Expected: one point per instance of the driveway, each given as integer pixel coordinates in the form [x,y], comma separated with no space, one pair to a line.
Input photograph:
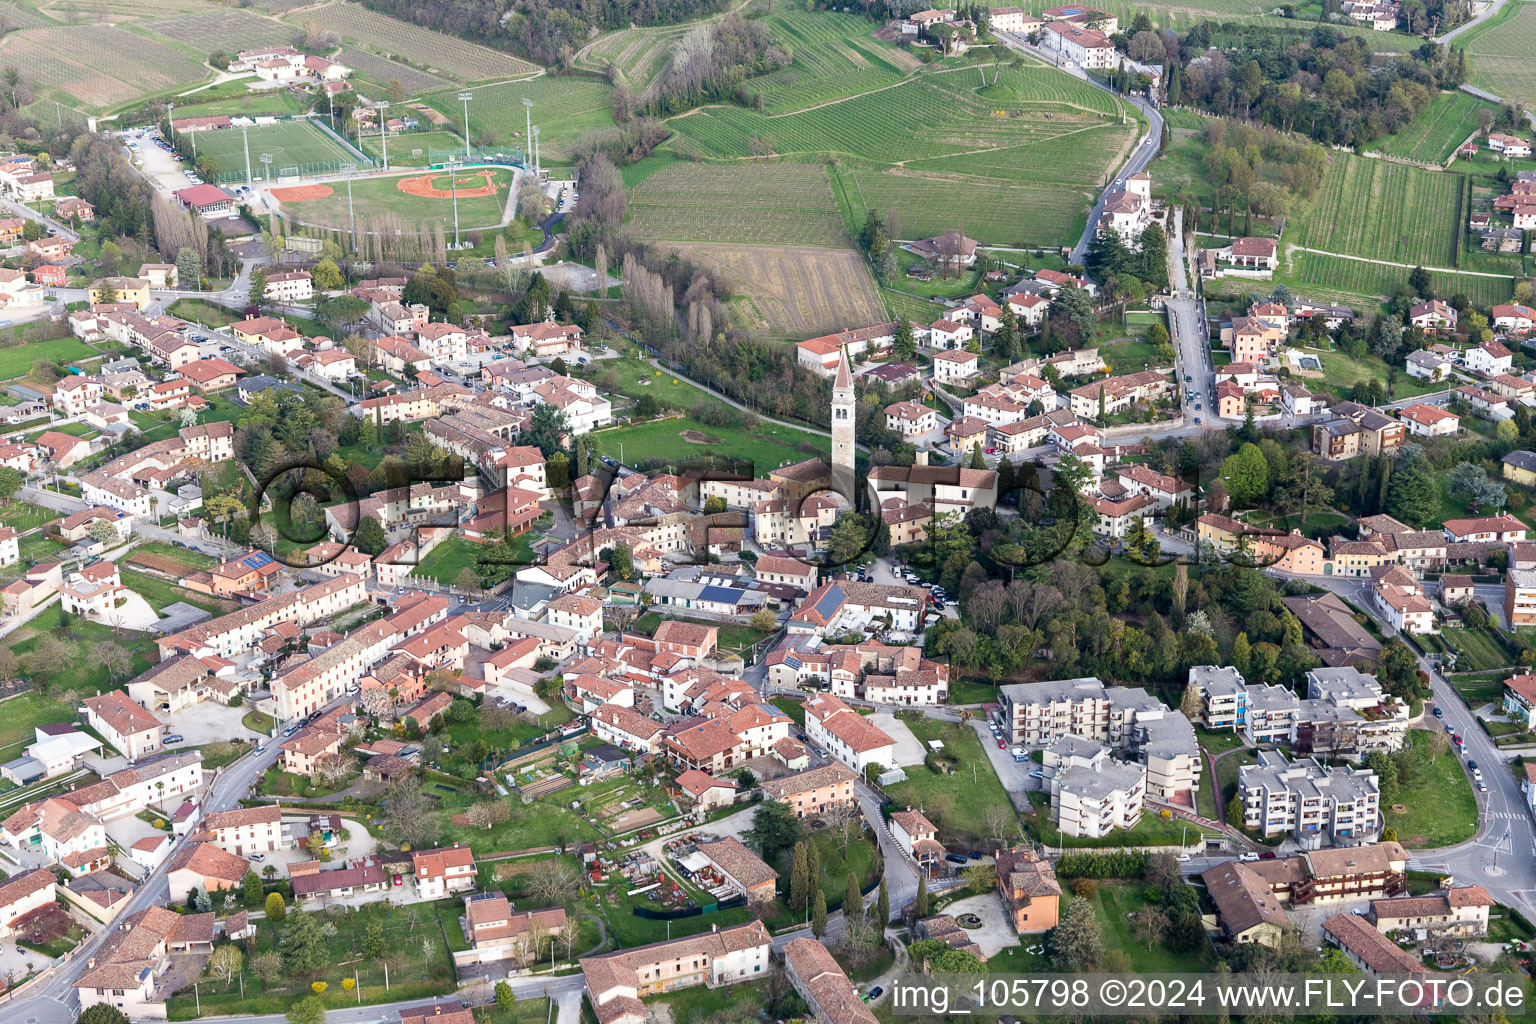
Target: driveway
[178,616]
[909,750]
[1014,775]
[208,722]
[129,830]
[996,932]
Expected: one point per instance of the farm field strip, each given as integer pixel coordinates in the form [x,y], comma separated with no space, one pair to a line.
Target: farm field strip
[99,65]
[18,16]
[442,54]
[1500,55]
[1434,135]
[921,119]
[229,31]
[382,69]
[798,291]
[1323,278]
[1001,214]
[833,58]
[790,204]
[1383,210]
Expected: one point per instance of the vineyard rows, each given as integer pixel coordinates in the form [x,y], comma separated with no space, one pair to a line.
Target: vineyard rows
[1501,56]
[382,69]
[782,204]
[99,65]
[639,53]
[1383,210]
[833,58]
[227,31]
[443,54]
[999,214]
[922,119]
[1434,135]
[17,16]
[1328,278]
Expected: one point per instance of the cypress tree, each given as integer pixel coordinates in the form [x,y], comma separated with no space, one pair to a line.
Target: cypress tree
[797,879]
[812,865]
[853,903]
[819,914]
[920,904]
[882,907]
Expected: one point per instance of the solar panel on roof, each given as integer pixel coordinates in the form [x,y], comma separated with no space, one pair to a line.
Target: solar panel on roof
[257,559]
[830,602]
[724,595]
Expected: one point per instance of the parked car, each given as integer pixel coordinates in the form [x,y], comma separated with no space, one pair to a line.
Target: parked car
[1002,744]
[1472,765]
[1249,857]
[258,857]
[174,738]
[1439,713]
[954,858]
[876,992]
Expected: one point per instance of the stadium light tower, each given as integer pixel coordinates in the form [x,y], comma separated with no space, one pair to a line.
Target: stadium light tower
[266,160]
[383,106]
[535,133]
[245,137]
[528,129]
[464,98]
[453,184]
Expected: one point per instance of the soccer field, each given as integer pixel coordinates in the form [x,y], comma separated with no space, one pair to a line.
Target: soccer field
[296,147]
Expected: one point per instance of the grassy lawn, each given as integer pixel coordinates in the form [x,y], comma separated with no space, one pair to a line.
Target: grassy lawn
[72,429]
[1117,904]
[971,691]
[451,557]
[85,677]
[957,804]
[414,946]
[734,636]
[59,946]
[1219,742]
[379,195]
[1340,372]
[159,593]
[766,448]
[623,376]
[18,361]
[258,721]
[1227,772]
[793,708]
[21,517]
[1439,806]
[631,930]
[209,314]
[280,783]
[536,824]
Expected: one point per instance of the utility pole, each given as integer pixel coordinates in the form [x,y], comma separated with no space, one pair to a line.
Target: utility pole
[351,214]
[384,131]
[464,98]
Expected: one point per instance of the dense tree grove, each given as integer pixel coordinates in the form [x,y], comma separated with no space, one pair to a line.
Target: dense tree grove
[1326,84]
[547,31]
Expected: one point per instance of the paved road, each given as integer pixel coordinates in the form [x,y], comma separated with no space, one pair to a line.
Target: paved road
[1186,324]
[1465,26]
[1141,156]
[53,1000]
[1502,855]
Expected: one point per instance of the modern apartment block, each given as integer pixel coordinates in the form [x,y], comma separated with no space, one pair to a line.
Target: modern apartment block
[1318,806]
[1345,711]
[1092,794]
[1223,697]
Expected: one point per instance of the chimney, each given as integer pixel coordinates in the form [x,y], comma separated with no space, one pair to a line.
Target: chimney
[922,458]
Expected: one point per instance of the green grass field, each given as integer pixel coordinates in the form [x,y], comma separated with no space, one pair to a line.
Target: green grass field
[17,361]
[958,803]
[789,204]
[444,562]
[1434,135]
[251,104]
[1476,651]
[290,144]
[1384,211]
[1334,279]
[372,196]
[1118,905]
[415,149]
[563,108]
[767,447]
[1439,807]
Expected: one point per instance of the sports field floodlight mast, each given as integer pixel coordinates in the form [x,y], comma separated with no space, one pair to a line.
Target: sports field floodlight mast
[464,98]
[535,133]
[245,138]
[382,106]
[266,159]
[528,128]
[453,185]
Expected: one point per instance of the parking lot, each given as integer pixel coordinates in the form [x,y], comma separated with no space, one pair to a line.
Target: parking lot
[207,722]
[1014,775]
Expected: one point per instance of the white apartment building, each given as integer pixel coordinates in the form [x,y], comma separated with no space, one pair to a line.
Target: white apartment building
[1317,806]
